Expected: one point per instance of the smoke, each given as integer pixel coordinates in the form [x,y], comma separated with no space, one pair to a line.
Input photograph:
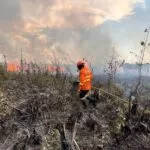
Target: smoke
[9,14]
[65,30]
[73,13]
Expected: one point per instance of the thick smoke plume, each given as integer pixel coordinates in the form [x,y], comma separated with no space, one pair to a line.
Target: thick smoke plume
[52,29]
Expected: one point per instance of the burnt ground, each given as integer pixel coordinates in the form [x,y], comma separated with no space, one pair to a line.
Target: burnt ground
[31,108]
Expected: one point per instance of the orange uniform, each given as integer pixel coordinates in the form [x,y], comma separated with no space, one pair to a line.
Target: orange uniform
[85,77]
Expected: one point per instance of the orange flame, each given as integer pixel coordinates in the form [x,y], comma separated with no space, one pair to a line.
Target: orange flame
[12,67]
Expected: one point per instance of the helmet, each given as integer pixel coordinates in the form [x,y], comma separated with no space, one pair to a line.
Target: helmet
[81,62]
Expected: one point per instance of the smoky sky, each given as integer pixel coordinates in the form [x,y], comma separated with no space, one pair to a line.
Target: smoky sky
[54,29]
[89,43]
[10,13]
[9,10]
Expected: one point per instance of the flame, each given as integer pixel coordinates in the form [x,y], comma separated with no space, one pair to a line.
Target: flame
[12,67]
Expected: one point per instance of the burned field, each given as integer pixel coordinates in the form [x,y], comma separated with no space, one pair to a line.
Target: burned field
[43,112]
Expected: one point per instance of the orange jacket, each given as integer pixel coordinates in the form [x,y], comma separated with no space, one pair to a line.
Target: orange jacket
[85,77]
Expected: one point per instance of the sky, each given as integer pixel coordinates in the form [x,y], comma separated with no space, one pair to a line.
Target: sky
[67,31]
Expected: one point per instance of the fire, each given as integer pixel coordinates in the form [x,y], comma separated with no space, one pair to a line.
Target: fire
[12,67]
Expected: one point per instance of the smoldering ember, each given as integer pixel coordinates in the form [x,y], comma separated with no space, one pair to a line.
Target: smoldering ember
[74,75]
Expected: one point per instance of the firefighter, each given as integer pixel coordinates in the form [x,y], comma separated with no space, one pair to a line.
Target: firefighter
[85,80]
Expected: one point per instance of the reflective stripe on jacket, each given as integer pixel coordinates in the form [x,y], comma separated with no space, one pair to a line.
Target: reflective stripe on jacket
[85,77]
